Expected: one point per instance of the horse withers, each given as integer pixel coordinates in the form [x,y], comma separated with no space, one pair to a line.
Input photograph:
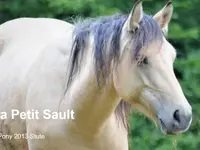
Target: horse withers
[47,64]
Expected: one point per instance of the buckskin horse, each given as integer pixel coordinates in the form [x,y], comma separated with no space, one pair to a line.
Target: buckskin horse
[89,68]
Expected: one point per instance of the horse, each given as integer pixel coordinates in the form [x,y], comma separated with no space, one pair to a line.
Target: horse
[98,68]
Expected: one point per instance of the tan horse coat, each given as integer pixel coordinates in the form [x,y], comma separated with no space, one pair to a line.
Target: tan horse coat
[31,51]
[34,62]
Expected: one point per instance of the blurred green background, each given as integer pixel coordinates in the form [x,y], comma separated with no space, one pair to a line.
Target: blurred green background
[184,34]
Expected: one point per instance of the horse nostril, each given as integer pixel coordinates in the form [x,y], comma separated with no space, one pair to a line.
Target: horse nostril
[177,116]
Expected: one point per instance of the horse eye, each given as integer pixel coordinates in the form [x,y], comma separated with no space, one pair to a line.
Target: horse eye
[145,61]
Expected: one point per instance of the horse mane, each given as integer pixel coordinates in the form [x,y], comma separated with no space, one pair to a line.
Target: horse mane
[106,33]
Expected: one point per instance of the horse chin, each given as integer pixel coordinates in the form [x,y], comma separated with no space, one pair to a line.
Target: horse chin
[163,129]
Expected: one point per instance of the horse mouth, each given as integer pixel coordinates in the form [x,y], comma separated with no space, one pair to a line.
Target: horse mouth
[164,130]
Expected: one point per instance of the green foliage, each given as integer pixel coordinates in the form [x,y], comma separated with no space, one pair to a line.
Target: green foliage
[184,34]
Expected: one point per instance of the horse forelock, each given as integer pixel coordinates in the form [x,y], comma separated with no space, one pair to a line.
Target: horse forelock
[106,33]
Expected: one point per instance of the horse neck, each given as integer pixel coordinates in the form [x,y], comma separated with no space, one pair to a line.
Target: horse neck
[91,105]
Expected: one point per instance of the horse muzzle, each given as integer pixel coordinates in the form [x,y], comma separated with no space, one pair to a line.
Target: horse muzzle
[179,122]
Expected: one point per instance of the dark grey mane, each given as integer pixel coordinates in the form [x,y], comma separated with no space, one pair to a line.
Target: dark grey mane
[106,33]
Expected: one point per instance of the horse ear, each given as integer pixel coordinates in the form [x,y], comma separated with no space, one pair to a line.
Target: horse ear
[164,16]
[135,17]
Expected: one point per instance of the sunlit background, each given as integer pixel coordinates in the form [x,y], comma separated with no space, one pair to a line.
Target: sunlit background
[184,34]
